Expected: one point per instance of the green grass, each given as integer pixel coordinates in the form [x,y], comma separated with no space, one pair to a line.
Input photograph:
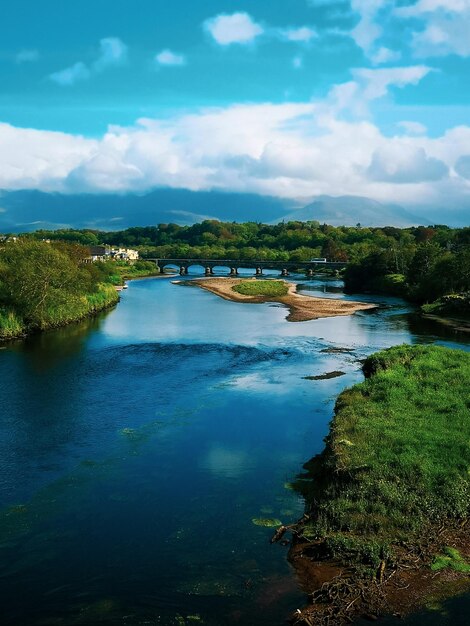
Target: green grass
[269,288]
[64,311]
[76,307]
[452,559]
[398,452]
[10,324]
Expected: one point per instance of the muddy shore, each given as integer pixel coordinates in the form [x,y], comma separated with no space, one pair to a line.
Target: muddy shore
[301,308]
[337,595]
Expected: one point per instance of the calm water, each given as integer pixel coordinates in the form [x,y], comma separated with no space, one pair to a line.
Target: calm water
[137,448]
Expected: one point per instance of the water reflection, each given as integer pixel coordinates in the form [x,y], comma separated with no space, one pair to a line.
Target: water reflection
[48,349]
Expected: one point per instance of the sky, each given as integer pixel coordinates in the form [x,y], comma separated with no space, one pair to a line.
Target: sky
[289,98]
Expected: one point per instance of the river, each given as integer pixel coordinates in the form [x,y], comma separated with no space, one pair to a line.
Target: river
[136,448]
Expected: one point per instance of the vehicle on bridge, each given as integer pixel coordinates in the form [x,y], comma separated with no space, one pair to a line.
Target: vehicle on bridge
[318,260]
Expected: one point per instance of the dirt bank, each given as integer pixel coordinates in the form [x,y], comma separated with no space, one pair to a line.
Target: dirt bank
[338,595]
[301,307]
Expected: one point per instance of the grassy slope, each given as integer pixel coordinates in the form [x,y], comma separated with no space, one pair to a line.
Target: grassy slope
[270,288]
[397,456]
[76,308]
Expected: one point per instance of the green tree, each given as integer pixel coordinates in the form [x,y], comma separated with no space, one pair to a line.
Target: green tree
[36,276]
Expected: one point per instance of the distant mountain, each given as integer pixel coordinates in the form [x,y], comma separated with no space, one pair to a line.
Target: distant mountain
[351,210]
[23,211]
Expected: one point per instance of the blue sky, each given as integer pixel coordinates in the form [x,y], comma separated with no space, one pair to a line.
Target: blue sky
[293,98]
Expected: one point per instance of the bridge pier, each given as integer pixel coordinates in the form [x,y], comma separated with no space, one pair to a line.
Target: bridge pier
[233,271]
[209,271]
[309,273]
[259,271]
[183,270]
[284,272]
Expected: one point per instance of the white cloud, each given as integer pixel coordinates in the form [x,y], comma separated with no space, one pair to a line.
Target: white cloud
[373,15]
[430,6]
[71,75]
[368,85]
[290,150]
[444,29]
[112,52]
[398,162]
[36,159]
[297,62]
[377,81]
[304,34]
[367,31]
[443,35]
[236,28]
[462,166]
[167,57]
[413,128]
[384,55]
[27,56]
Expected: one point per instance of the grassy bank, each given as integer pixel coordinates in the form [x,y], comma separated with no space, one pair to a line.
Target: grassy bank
[77,307]
[457,305]
[394,475]
[267,288]
[49,284]
[119,271]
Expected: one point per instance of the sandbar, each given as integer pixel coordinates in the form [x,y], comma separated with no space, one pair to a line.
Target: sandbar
[301,307]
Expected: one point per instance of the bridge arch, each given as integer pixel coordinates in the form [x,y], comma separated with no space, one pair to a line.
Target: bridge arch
[234,267]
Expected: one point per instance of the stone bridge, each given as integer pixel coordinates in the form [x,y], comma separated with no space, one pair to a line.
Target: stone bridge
[232,265]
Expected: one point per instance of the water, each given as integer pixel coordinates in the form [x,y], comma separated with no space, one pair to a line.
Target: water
[136,449]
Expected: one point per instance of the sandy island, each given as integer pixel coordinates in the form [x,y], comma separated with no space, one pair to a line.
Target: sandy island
[301,307]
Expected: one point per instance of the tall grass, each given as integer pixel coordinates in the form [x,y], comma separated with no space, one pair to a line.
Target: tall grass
[10,324]
[75,307]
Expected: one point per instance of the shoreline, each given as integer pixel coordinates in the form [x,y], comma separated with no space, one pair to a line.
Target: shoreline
[386,535]
[94,310]
[338,595]
[301,308]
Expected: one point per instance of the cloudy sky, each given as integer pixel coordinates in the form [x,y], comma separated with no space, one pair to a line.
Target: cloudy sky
[292,98]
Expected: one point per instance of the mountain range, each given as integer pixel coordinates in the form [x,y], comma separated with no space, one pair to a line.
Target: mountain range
[28,210]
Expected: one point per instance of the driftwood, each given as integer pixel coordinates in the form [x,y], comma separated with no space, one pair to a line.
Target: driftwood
[293,528]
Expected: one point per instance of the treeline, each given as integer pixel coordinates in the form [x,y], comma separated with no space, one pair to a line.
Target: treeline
[43,285]
[290,241]
[426,272]
[422,263]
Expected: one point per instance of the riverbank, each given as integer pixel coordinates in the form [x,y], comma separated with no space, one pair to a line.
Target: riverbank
[13,326]
[385,530]
[301,308]
[121,271]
